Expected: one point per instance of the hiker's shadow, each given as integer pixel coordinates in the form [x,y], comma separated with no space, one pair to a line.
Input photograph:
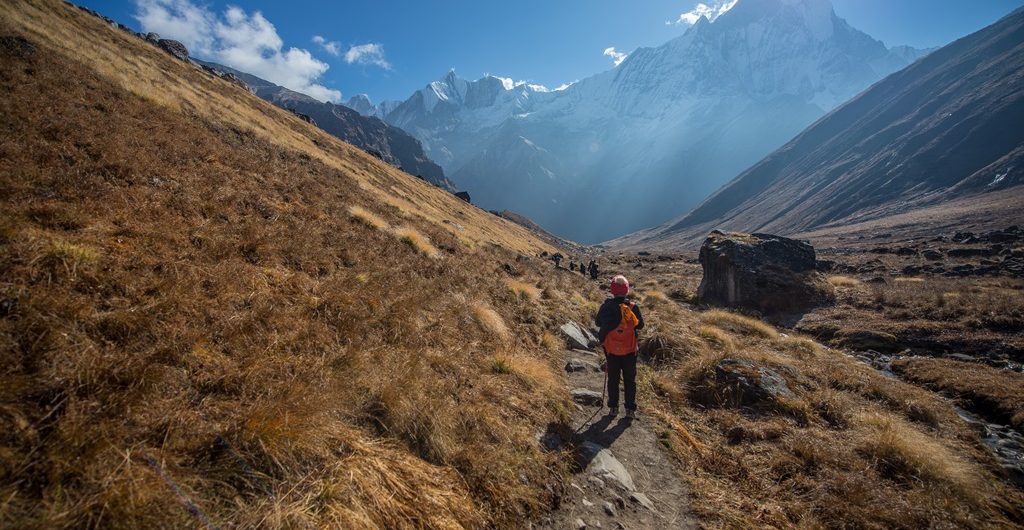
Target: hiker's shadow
[603,433]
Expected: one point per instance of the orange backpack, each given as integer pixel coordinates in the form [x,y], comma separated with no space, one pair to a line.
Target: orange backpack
[622,339]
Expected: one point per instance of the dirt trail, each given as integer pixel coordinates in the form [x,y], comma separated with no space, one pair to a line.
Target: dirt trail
[599,494]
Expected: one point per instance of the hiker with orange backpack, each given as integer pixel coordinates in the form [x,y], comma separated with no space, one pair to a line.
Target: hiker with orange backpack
[619,320]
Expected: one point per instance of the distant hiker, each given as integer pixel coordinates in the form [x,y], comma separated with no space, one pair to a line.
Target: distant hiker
[572,266]
[619,320]
[557,258]
[593,270]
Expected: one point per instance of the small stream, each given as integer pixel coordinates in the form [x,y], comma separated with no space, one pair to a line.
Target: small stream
[1005,442]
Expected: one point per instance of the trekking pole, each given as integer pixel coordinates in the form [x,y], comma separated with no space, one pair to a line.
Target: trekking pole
[604,396]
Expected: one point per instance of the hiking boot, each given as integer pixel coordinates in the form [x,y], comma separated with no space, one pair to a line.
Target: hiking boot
[613,411]
[631,414]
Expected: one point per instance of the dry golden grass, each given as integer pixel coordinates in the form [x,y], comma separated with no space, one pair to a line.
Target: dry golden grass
[524,290]
[417,241]
[150,74]
[716,338]
[490,320]
[850,448]
[995,392]
[900,451]
[739,324]
[551,342]
[368,218]
[844,281]
[191,304]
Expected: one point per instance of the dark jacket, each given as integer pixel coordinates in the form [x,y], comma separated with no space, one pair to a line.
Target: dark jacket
[609,316]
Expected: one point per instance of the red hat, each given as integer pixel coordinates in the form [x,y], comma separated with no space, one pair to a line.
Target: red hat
[619,286]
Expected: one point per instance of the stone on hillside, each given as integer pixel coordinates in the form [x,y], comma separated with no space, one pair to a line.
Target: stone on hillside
[577,365]
[600,462]
[767,273]
[153,37]
[932,254]
[174,48]
[579,337]
[743,383]
[642,499]
[588,397]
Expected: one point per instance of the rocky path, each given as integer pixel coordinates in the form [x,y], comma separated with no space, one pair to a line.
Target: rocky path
[625,479]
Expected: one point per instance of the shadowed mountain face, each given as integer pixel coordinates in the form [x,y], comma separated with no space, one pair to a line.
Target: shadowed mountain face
[394,145]
[652,137]
[947,127]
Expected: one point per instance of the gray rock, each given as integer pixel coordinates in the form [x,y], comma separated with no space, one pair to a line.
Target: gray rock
[602,463]
[153,37]
[173,47]
[642,500]
[762,272]
[609,509]
[743,383]
[577,365]
[585,396]
[579,524]
[578,336]
[932,254]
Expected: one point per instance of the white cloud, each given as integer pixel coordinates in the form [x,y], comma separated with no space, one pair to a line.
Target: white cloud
[331,47]
[371,53]
[617,57]
[712,12]
[249,43]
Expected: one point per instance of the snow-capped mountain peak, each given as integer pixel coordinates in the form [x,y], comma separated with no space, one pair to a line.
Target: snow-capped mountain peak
[660,131]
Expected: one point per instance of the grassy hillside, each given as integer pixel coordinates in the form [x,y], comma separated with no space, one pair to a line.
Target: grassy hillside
[213,311]
[845,447]
[215,315]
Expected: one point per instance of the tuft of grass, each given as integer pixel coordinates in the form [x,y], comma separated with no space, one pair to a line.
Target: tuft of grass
[68,256]
[417,241]
[716,338]
[803,347]
[501,365]
[844,281]
[905,454]
[524,290]
[490,320]
[654,297]
[739,324]
[367,218]
[551,342]
[531,373]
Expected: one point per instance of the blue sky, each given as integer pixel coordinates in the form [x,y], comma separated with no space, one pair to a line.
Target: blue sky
[389,48]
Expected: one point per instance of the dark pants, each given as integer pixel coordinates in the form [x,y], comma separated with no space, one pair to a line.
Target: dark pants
[626,366]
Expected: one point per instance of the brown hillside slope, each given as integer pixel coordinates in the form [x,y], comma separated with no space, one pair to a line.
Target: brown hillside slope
[210,311]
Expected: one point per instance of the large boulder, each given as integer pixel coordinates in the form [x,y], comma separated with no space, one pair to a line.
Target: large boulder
[761,272]
[174,48]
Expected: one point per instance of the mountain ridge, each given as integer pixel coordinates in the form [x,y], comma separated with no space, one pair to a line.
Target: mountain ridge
[655,134]
[884,151]
[390,143]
